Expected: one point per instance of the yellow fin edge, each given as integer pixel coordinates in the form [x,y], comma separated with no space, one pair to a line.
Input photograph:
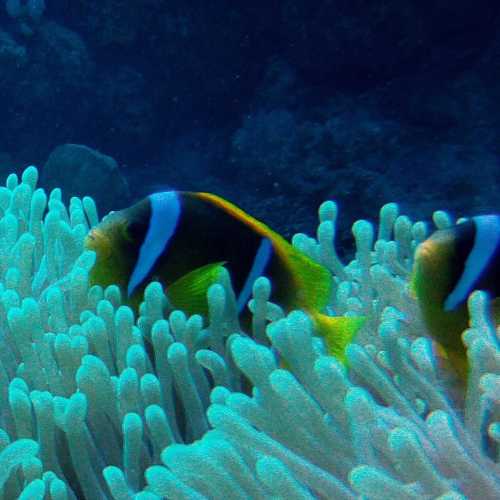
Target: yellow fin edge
[337,332]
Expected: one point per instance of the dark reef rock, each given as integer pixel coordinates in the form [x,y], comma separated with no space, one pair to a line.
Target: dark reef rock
[80,171]
[44,91]
[111,22]
[358,43]
[12,54]
[275,105]
[124,115]
[64,55]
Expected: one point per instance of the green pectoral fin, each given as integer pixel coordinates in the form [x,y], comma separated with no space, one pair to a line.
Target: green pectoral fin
[189,293]
[338,332]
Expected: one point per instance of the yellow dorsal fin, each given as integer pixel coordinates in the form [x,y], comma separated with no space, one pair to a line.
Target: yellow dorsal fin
[189,292]
[236,212]
[312,281]
[338,332]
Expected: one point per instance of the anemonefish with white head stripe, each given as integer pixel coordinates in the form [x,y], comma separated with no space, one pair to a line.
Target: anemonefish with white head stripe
[450,265]
[183,238]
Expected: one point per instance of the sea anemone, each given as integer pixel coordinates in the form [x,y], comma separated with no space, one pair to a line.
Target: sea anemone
[96,403]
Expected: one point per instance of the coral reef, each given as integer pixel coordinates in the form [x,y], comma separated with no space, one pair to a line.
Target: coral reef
[98,404]
[192,95]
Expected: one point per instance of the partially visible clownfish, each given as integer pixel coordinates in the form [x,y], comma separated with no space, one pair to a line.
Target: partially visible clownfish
[182,239]
[450,265]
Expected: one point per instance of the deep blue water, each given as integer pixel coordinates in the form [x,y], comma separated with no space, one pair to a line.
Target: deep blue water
[276,105]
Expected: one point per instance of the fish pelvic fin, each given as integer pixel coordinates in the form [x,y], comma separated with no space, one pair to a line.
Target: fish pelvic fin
[337,332]
[189,292]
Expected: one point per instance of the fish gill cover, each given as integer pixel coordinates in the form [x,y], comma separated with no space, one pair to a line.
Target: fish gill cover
[98,403]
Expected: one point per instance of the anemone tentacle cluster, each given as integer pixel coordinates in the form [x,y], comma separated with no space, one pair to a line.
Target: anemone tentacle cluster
[96,403]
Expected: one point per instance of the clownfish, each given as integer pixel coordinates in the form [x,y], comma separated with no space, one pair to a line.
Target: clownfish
[450,265]
[182,239]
